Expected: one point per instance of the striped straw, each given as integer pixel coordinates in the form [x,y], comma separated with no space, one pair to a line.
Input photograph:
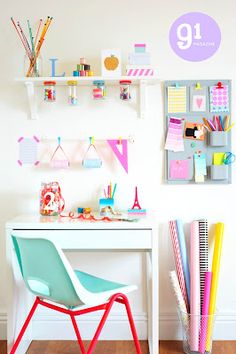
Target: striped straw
[178,261]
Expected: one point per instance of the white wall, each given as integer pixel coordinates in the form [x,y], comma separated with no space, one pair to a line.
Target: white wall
[82,29]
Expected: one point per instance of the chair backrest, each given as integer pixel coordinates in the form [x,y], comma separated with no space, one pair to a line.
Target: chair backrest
[46,271]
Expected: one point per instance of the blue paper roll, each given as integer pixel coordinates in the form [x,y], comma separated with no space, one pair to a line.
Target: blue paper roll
[184,256]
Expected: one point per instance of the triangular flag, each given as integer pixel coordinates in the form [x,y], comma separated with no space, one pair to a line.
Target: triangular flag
[122,157]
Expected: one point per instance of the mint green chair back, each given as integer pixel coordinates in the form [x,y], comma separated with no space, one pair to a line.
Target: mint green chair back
[45,271]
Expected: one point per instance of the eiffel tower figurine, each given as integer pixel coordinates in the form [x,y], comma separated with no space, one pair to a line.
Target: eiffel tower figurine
[136,208]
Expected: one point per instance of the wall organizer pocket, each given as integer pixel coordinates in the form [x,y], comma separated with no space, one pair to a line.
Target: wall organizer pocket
[218,138]
[219,172]
[198,131]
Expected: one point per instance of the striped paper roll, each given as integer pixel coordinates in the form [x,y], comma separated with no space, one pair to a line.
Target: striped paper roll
[179,298]
[203,255]
[184,255]
[205,310]
[194,286]
[178,261]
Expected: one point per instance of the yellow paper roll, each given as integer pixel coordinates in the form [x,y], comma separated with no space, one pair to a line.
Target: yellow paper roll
[215,280]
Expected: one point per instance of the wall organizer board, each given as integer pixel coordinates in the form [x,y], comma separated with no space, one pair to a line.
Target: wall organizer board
[198,131]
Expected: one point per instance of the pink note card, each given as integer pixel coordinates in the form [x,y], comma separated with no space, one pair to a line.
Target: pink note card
[179,169]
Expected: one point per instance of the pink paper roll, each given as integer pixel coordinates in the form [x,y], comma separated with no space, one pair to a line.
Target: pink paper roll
[194,286]
[205,309]
[178,261]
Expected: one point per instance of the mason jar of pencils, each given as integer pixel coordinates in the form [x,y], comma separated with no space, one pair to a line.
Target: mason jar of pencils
[49,91]
[37,66]
[72,93]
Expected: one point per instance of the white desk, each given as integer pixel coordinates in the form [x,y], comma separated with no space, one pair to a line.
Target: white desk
[71,234]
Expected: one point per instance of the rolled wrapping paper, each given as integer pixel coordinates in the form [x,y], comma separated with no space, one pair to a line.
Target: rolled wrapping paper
[184,256]
[204,251]
[179,298]
[215,280]
[178,261]
[194,287]
[205,310]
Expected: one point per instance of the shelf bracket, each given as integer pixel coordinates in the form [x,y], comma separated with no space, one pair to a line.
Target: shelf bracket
[142,99]
[32,99]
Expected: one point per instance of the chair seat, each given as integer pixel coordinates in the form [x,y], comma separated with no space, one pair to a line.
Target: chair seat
[103,288]
[95,284]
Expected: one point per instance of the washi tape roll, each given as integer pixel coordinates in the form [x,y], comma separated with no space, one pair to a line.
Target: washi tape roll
[80,67]
[82,60]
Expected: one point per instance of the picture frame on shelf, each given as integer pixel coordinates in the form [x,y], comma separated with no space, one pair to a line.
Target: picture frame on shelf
[111,62]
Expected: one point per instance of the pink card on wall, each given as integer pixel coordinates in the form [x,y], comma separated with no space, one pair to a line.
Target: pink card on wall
[179,169]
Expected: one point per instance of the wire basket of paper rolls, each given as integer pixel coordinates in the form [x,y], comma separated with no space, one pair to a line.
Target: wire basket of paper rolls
[195,287]
[197,332]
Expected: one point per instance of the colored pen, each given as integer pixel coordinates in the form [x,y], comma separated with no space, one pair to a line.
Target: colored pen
[110,190]
[230,127]
[211,124]
[114,190]
[207,124]
[221,123]
[226,123]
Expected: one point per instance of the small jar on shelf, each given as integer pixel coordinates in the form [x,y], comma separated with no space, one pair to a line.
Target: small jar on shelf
[49,91]
[99,91]
[125,90]
[72,93]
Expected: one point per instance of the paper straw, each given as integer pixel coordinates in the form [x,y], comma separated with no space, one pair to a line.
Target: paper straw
[205,309]
[184,256]
[178,261]
[215,279]
[179,298]
[195,286]
[204,252]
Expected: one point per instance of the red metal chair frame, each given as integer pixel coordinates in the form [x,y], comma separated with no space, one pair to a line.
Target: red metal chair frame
[119,297]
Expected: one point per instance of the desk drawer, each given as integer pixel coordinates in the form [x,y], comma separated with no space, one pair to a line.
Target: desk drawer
[94,239]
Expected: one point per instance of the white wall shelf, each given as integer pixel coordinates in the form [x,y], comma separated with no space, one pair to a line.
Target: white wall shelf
[141,82]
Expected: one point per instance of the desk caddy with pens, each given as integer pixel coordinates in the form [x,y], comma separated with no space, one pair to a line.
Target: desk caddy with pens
[198,131]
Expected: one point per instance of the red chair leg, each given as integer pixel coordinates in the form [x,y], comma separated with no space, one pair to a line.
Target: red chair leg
[25,325]
[78,334]
[101,325]
[132,325]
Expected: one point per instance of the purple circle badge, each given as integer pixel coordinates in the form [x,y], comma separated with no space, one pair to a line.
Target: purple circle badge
[195,36]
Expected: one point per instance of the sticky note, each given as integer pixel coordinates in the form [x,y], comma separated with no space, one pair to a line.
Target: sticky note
[200,167]
[179,169]
[218,158]
[200,164]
